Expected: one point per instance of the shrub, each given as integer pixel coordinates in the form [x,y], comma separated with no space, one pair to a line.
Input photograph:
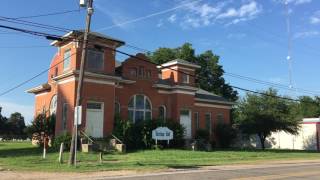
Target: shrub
[202,137]
[226,133]
[64,138]
[139,135]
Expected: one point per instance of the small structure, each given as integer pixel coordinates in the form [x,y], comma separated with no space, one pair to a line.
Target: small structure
[307,139]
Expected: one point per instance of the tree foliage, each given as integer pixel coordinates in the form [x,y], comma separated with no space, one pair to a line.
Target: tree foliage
[309,107]
[210,73]
[262,115]
[42,126]
[12,127]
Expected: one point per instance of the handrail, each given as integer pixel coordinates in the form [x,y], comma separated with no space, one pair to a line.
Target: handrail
[83,133]
[116,138]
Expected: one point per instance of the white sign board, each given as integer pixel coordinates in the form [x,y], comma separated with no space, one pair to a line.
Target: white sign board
[77,115]
[162,133]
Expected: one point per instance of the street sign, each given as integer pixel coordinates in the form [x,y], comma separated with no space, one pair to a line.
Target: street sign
[77,115]
[162,133]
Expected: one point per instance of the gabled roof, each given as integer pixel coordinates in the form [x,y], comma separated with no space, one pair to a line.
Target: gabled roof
[79,33]
[179,62]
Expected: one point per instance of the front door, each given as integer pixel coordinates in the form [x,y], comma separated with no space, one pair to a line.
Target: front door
[185,121]
[94,119]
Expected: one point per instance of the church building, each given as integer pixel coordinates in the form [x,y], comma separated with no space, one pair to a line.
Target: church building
[136,89]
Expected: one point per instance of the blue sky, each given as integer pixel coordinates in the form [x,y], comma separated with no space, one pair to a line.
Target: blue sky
[250,36]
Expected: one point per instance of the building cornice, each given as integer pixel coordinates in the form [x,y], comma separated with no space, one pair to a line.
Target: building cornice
[104,77]
[176,62]
[41,88]
[175,87]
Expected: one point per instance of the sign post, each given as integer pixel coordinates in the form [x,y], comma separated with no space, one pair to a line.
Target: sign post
[77,121]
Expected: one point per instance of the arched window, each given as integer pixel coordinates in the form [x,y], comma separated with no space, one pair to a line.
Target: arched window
[162,113]
[139,108]
[53,105]
[117,108]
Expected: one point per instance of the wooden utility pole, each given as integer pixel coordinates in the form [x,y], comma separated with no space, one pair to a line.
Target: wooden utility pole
[73,148]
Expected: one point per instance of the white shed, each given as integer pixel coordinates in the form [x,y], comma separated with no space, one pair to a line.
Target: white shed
[307,139]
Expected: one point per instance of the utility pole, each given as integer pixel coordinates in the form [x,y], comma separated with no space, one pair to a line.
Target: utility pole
[73,147]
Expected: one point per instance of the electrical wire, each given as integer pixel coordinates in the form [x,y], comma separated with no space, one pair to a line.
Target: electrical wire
[135,57]
[33,24]
[48,14]
[34,77]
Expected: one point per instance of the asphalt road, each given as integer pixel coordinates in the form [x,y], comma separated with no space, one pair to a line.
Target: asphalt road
[305,171]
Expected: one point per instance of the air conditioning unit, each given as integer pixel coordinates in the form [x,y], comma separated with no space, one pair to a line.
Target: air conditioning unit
[83,3]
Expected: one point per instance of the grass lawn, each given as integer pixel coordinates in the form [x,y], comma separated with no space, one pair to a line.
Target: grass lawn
[24,156]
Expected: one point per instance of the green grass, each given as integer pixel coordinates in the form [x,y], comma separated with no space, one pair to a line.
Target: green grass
[24,156]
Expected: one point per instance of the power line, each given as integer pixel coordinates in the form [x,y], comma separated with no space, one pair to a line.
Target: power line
[23,47]
[36,33]
[48,14]
[132,56]
[282,86]
[236,87]
[33,24]
[34,77]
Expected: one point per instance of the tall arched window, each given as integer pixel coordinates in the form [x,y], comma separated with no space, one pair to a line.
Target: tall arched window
[139,108]
[162,113]
[53,105]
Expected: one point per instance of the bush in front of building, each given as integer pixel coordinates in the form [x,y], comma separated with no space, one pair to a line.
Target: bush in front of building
[139,135]
[64,138]
[226,133]
[202,137]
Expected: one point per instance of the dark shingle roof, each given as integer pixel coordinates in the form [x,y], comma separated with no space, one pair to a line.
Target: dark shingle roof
[205,95]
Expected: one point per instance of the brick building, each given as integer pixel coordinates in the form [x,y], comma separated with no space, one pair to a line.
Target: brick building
[136,89]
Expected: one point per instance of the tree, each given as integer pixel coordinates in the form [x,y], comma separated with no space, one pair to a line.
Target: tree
[210,74]
[309,107]
[42,126]
[17,124]
[263,114]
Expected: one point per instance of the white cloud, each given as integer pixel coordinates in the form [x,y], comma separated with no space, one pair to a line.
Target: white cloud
[246,10]
[315,18]
[205,14]
[295,2]
[117,16]
[11,107]
[172,18]
[236,36]
[160,23]
[306,34]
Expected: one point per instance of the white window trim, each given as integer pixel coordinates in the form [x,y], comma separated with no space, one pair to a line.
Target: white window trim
[134,109]
[188,78]
[64,60]
[53,111]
